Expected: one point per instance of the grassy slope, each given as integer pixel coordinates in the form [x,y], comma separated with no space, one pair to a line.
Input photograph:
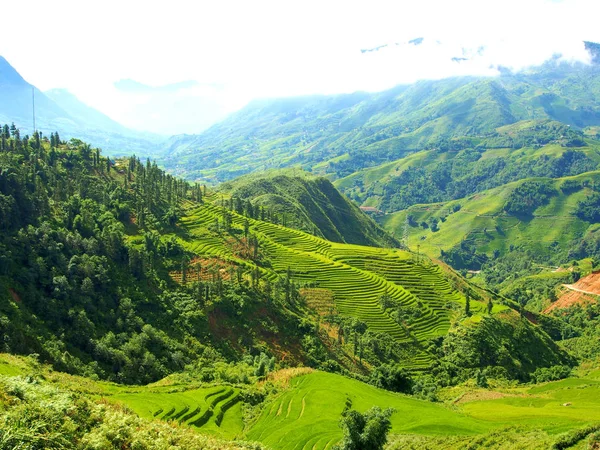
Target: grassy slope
[311,204]
[305,415]
[482,220]
[357,275]
[371,129]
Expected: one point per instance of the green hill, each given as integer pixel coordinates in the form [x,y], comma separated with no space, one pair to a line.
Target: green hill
[552,231]
[461,167]
[95,283]
[308,203]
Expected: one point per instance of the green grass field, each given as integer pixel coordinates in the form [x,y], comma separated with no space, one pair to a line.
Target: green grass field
[306,415]
[305,412]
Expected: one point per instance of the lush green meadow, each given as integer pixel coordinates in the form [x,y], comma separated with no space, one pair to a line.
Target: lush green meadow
[303,412]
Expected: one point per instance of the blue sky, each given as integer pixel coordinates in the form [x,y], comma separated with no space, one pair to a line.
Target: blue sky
[228,52]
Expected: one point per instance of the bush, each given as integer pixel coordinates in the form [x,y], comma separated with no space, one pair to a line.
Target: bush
[392,377]
[553,373]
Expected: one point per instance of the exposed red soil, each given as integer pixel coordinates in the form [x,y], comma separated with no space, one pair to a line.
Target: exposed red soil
[591,283]
[14,295]
[573,295]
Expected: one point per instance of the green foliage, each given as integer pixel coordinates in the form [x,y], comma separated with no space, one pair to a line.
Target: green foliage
[38,415]
[299,200]
[529,196]
[589,208]
[392,377]
[510,349]
[365,431]
[553,373]
[573,437]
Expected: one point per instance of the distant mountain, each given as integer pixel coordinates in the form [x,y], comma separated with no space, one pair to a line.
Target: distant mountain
[84,113]
[59,110]
[338,135]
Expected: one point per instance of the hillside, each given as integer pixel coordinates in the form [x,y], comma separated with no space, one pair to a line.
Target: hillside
[465,166]
[552,229]
[172,305]
[337,135]
[60,111]
[133,251]
[310,204]
[293,409]
[584,291]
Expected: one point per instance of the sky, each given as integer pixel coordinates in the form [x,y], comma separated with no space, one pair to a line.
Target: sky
[178,66]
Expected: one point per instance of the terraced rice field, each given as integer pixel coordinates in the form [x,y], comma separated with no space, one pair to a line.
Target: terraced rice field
[357,276]
[306,416]
[216,410]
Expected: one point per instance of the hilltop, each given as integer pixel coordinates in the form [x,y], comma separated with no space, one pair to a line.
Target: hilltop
[309,203]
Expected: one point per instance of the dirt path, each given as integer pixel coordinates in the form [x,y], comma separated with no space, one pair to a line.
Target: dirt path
[573,288]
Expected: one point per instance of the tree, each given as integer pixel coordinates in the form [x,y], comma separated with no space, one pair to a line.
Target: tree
[490,305]
[467,304]
[367,431]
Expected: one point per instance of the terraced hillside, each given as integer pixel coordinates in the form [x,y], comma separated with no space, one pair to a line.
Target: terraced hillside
[482,220]
[358,276]
[306,416]
[217,410]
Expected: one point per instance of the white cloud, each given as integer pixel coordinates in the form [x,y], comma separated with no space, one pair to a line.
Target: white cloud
[274,48]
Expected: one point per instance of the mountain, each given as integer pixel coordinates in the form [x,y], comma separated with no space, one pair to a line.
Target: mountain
[309,203]
[462,166]
[58,110]
[337,135]
[554,225]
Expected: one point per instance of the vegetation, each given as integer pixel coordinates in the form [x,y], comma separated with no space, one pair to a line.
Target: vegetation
[117,271]
[299,200]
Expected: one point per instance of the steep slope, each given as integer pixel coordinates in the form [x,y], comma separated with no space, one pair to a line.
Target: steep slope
[310,204]
[339,134]
[16,95]
[59,110]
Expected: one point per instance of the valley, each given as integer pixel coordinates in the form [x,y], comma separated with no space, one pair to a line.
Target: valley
[410,268]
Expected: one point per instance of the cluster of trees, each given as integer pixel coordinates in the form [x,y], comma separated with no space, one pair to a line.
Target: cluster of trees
[529,196]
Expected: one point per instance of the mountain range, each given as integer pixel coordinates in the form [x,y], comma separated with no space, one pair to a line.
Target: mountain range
[59,110]
[338,135]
